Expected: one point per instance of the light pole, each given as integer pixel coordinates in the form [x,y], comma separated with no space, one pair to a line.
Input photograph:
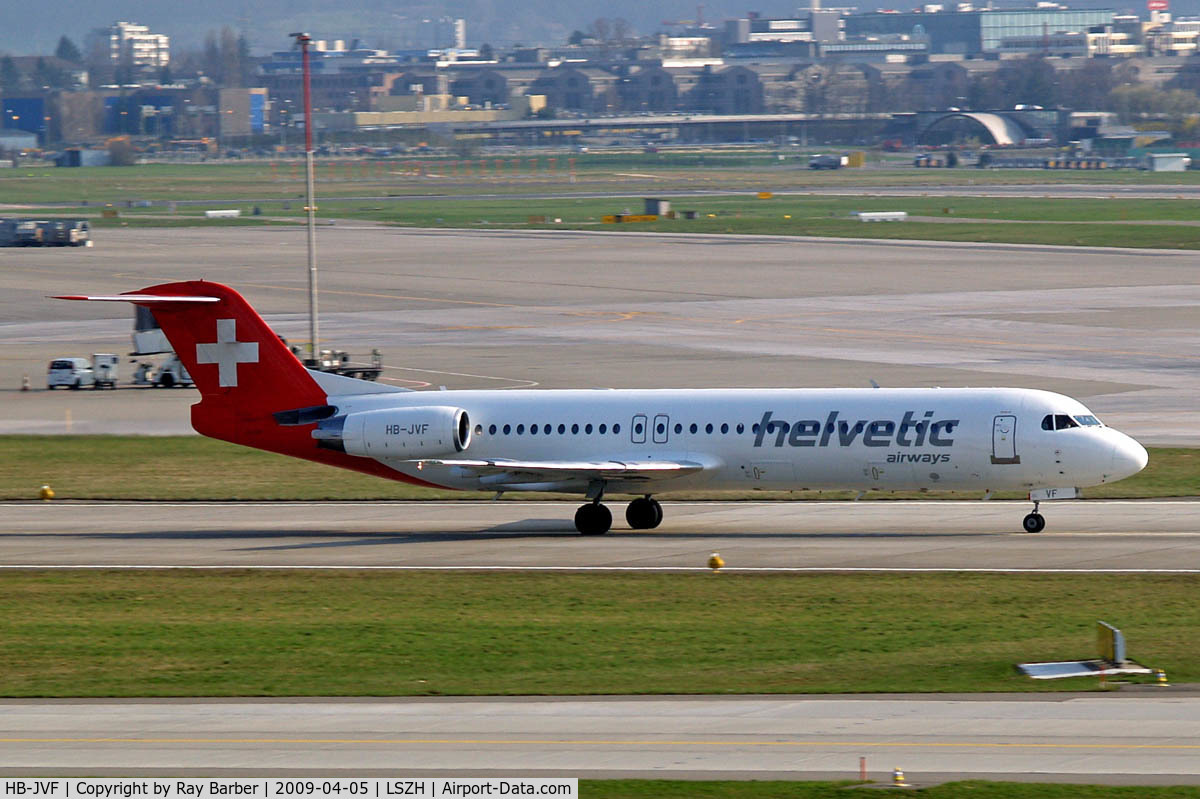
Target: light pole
[304,40]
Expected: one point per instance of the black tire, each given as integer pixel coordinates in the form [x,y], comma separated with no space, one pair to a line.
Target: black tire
[644,513]
[1034,523]
[167,381]
[75,386]
[593,519]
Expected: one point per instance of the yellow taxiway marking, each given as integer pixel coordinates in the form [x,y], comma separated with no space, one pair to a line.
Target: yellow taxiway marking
[604,742]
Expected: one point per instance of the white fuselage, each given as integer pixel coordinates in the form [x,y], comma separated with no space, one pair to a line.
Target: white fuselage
[890,439]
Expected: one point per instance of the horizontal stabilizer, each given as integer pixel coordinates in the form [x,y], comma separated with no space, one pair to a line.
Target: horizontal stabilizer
[144,298]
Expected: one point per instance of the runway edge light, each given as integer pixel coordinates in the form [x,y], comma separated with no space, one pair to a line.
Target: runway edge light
[46,493]
[715,561]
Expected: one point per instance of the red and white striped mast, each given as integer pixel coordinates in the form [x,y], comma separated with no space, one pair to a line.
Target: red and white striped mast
[304,40]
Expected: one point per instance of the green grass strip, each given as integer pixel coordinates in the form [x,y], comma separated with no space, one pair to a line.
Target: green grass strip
[351,633]
[652,173]
[195,468]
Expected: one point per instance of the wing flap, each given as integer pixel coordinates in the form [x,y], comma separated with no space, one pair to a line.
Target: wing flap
[497,471]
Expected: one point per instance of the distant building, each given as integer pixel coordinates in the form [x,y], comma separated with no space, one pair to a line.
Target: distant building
[1173,37]
[979,32]
[814,25]
[485,87]
[242,112]
[733,90]
[648,87]
[572,88]
[135,45]
[444,33]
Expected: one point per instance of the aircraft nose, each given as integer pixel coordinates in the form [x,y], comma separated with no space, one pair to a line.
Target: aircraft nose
[1128,457]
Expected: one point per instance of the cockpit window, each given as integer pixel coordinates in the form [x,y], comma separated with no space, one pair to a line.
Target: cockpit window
[1061,421]
[1087,420]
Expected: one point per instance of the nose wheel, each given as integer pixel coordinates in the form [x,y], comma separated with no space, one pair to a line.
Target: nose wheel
[644,513]
[1034,522]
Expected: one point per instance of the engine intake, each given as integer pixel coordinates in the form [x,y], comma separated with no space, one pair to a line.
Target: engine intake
[423,432]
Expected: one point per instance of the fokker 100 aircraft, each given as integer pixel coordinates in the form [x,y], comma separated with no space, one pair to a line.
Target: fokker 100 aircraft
[647,442]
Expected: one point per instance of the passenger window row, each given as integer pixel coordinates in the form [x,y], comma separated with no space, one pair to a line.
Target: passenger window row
[602,429]
[546,429]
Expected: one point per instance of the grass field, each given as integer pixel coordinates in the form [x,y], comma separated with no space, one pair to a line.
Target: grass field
[195,468]
[637,174]
[1166,223]
[237,633]
[681,789]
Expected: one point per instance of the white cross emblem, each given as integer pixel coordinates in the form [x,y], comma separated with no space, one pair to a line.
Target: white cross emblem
[227,352]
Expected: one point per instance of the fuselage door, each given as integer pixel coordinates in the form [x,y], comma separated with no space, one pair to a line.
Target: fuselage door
[662,428]
[637,430]
[1004,440]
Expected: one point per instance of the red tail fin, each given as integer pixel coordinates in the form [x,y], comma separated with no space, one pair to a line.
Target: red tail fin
[244,372]
[231,353]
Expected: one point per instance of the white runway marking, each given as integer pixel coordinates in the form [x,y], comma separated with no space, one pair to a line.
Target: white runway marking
[805,503]
[679,569]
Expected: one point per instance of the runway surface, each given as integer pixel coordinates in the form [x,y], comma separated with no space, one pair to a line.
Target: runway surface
[1081,536]
[1141,738]
[558,309]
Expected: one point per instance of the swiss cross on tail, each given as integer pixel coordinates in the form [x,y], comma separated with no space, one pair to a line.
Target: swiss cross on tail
[227,352]
[242,369]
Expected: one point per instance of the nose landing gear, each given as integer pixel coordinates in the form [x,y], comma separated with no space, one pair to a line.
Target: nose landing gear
[1034,522]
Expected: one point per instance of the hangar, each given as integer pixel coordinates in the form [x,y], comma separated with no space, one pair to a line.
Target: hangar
[1006,127]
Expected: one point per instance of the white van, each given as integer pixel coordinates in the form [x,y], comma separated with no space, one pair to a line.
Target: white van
[70,372]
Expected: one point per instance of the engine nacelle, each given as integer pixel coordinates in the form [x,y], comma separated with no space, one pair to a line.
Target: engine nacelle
[423,432]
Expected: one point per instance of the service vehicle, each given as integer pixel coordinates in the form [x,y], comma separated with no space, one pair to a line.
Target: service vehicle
[826,162]
[172,374]
[105,367]
[73,373]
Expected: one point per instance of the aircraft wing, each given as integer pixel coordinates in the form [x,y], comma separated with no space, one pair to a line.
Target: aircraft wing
[500,472]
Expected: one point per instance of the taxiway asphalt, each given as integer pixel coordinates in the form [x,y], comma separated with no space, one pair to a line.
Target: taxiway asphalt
[1144,738]
[569,309]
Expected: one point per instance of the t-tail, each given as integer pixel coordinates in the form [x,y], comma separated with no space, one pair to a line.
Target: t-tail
[253,389]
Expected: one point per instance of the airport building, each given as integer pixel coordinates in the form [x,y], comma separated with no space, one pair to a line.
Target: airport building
[135,45]
[979,32]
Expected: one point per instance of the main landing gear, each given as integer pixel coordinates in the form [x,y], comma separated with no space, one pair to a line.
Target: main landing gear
[1034,522]
[593,519]
[644,513]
